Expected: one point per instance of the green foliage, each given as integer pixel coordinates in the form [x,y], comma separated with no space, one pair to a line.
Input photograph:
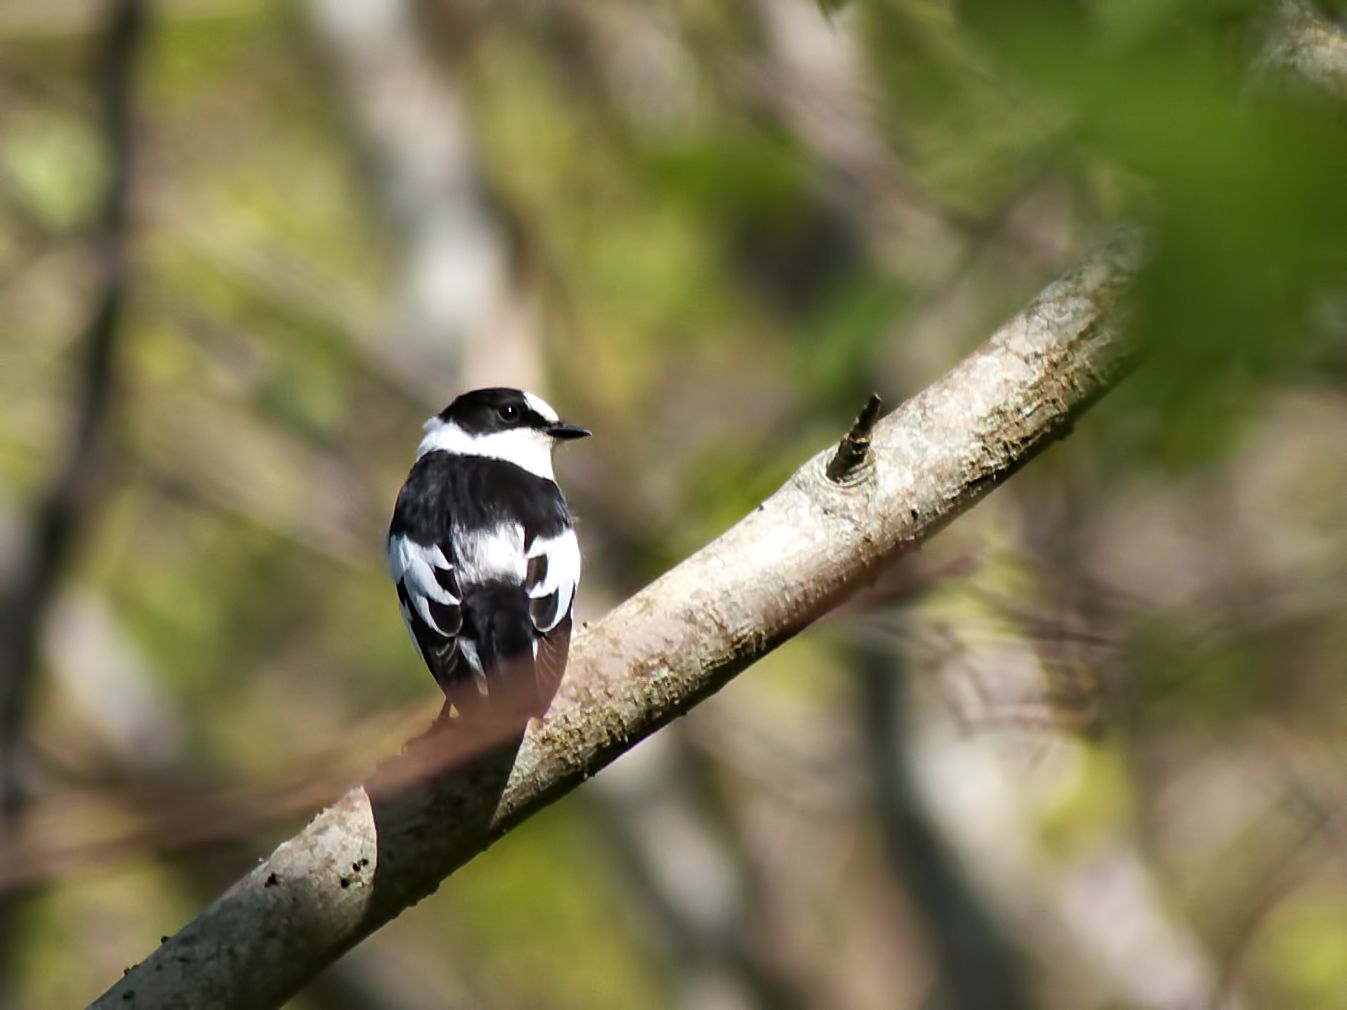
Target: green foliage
[1304,945]
[519,917]
[1243,190]
[971,135]
[53,167]
[837,346]
[1096,804]
[1188,675]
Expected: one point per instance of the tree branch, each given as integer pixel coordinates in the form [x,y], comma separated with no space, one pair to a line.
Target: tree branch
[386,845]
[960,930]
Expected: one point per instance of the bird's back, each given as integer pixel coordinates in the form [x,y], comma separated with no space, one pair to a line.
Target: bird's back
[486,565]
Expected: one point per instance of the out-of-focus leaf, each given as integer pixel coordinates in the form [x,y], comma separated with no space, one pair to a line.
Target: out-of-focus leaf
[53,167]
[1243,193]
[836,347]
[1304,945]
[969,134]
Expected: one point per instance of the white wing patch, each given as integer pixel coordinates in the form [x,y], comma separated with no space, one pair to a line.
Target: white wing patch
[560,576]
[492,555]
[414,565]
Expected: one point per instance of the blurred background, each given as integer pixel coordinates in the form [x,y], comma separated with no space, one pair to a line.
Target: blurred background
[1085,752]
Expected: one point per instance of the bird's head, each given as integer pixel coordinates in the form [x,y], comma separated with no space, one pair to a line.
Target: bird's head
[501,423]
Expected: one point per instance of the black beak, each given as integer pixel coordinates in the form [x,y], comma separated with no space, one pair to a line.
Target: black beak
[563,430]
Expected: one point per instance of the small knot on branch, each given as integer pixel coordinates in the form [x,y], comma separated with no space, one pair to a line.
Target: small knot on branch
[853,451]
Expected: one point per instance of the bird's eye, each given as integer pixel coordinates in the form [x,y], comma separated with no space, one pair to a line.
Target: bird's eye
[508,412]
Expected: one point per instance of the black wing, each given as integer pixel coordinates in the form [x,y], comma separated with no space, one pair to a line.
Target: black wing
[550,663]
[430,599]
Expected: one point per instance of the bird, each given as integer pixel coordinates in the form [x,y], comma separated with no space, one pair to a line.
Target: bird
[483,553]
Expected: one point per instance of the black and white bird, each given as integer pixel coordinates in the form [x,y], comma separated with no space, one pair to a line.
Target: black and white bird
[483,552]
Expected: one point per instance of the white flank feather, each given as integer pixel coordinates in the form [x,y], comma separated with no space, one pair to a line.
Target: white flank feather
[563,571]
[414,566]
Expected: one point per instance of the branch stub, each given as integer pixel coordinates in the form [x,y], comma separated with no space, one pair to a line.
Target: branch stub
[853,452]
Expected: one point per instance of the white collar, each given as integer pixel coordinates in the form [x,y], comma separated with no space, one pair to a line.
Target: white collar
[527,448]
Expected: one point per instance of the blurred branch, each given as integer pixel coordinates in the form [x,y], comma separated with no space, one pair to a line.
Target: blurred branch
[1306,47]
[692,880]
[979,968]
[63,507]
[795,557]
[38,19]
[460,311]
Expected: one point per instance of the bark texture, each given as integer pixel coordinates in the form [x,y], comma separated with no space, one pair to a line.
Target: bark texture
[386,845]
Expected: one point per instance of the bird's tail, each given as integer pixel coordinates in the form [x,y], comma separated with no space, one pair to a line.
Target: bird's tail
[505,631]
